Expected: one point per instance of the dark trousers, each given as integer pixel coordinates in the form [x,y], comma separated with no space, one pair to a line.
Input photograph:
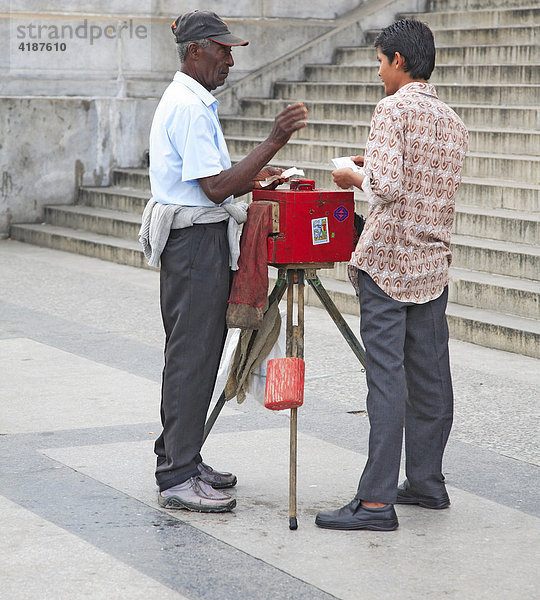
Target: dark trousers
[409,386]
[194,292]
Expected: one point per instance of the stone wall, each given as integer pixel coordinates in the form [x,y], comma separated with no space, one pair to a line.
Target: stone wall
[238,8]
[50,146]
[126,47]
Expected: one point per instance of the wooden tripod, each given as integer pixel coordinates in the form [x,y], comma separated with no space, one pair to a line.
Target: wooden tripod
[290,276]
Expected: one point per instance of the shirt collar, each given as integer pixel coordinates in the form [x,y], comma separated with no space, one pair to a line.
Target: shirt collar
[419,87]
[196,88]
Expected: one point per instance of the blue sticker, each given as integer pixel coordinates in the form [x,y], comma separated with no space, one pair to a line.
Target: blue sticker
[341,213]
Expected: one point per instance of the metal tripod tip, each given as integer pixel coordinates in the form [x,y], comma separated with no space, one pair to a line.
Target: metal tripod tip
[293,523]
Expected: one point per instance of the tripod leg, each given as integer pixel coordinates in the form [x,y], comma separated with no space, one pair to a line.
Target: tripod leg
[337,317]
[213,416]
[293,522]
[295,348]
[290,345]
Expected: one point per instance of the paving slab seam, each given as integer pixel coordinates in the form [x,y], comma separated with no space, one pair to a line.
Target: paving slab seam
[228,564]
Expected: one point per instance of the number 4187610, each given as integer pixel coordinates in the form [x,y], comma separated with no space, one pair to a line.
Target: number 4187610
[42,46]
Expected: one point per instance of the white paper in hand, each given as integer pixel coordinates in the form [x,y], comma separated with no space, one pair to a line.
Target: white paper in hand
[344,162]
[285,175]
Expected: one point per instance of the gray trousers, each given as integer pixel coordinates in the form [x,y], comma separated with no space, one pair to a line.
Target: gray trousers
[195,280]
[409,386]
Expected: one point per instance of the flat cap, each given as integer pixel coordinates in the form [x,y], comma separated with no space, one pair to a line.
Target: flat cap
[203,24]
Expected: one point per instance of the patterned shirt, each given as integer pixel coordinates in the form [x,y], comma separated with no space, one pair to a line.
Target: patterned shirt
[413,161]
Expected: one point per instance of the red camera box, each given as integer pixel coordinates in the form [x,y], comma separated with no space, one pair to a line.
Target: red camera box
[315,226]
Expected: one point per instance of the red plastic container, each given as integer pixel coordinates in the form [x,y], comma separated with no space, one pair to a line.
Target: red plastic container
[284,383]
[315,226]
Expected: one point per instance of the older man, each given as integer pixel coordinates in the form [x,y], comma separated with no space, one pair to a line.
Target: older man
[191,223]
[413,162]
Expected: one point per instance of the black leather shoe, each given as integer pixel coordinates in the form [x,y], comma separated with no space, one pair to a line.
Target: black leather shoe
[406,495]
[216,479]
[356,516]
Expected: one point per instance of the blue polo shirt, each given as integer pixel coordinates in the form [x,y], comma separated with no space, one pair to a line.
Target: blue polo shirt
[186,143]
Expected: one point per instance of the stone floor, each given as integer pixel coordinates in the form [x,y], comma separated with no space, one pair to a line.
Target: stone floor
[80,356]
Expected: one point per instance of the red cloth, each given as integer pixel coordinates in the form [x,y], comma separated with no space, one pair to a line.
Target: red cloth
[250,284]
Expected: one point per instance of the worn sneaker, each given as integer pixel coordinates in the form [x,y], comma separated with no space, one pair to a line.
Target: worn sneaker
[196,495]
[216,479]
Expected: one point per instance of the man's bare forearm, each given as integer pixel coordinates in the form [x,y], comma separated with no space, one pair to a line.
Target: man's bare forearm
[238,180]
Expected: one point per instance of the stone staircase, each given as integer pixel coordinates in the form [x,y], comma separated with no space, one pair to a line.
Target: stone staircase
[494,84]
[488,70]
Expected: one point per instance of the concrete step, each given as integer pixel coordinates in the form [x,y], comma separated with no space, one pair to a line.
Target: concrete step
[466,36]
[513,167]
[500,17]
[507,142]
[493,94]
[490,193]
[487,54]
[103,221]
[478,326]
[443,73]
[494,329]
[128,200]
[125,252]
[494,256]
[484,222]
[500,293]
[133,179]
[482,116]
[446,5]
[483,165]
[498,224]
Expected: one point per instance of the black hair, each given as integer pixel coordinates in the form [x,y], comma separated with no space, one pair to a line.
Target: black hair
[414,41]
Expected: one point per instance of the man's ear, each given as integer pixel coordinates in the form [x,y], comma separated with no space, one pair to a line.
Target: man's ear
[194,51]
[399,61]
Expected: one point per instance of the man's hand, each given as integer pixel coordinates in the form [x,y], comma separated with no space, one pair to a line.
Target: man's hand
[264,174]
[347,178]
[288,121]
[358,160]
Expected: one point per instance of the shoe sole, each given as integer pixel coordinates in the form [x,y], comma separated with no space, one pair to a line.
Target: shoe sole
[433,504]
[221,486]
[176,504]
[370,525]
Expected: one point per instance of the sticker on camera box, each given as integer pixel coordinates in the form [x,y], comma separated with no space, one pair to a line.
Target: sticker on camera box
[341,213]
[319,231]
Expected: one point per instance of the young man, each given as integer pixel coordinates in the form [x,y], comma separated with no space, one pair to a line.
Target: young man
[412,165]
[190,225]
